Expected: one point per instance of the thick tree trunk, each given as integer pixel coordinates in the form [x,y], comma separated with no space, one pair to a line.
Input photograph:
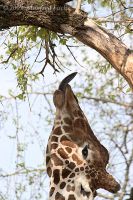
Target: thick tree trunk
[58,18]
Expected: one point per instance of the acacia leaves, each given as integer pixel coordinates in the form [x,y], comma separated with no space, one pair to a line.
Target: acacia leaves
[30,49]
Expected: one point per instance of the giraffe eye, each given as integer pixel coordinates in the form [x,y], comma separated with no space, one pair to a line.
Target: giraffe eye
[85,151]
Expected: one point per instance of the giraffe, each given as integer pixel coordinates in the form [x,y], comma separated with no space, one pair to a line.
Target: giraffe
[76,161]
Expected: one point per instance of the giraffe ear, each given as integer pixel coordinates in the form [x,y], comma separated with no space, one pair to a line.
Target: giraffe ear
[59,98]
[108,182]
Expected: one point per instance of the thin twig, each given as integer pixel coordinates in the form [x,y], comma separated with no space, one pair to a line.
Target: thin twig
[11,54]
[127,105]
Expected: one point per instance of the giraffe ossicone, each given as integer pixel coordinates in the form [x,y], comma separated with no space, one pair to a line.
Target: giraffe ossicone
[76,160]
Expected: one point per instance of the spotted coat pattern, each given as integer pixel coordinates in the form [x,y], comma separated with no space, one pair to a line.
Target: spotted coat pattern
[76,161]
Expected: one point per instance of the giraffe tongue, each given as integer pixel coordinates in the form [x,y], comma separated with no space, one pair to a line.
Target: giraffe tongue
[84,193]
[66,80]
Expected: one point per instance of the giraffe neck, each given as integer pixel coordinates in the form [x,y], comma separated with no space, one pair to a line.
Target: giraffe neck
[76,161]
[62,182]
[67,190]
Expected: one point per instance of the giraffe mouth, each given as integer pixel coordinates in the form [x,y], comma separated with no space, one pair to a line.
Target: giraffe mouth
[83,192]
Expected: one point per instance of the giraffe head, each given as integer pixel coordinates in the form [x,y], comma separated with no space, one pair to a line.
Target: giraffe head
[76,160]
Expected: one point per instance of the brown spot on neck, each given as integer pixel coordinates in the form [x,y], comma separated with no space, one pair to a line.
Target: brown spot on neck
[49,171]
[62,185]
[72,175]
[75,113]
[68,149]
[56,160]
[62,153]
[54,139]
[71,197]
[56,175]
[54,146]
[71,165]
[81,124]
[82,168]
[59,196]
[70,188]
[77,170]
[51,191]
[64,138]
[69,144]
[78,113]
[68,121]
[68,129]
[65,173]
[47,160]
[76,159]
[57,131]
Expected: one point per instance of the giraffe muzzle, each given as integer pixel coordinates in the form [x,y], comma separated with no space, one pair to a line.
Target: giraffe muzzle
[59,95]
[108,182]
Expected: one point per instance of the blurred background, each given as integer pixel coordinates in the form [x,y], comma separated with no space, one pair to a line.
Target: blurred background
[33,61]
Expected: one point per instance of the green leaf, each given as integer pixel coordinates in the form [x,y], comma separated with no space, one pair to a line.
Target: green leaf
[63,41]
[128,90]
[21,96]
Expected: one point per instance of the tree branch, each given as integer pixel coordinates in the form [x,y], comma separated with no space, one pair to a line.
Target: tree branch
[23,171]
[62,19]
[126,105]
